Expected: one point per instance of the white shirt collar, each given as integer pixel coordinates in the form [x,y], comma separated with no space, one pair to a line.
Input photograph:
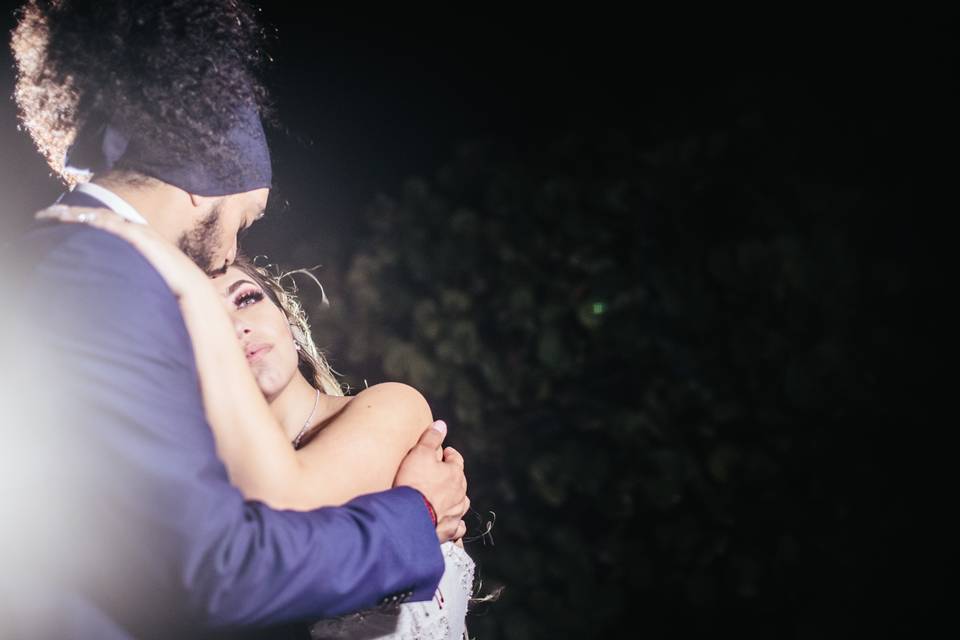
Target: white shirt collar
[120,206]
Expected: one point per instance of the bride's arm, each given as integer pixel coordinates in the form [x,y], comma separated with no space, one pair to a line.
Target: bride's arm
[367,439]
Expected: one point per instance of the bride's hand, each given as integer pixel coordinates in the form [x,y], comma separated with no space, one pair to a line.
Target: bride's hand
[180,273]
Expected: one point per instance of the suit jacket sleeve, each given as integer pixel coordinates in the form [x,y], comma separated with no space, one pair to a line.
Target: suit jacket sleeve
[160,520]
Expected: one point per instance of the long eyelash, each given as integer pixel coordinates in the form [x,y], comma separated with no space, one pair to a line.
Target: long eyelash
[243,299]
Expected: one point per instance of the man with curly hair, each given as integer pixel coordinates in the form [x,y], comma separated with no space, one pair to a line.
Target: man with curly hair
[127,525]
[158,103]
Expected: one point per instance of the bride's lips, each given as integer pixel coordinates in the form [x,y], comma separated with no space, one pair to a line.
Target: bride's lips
[257,351]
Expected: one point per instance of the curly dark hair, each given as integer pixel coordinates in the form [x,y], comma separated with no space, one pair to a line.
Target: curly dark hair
[174,71]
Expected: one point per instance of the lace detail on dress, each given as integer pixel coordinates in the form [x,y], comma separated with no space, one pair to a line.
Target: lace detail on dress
[443,618]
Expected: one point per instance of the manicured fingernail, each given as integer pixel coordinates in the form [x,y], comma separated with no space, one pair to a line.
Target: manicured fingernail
[440,426]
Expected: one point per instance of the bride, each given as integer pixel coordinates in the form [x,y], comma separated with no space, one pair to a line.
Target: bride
[285,431]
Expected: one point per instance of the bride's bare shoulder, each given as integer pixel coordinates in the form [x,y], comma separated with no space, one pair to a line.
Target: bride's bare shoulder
[391,407]
[394,397]
[394,402]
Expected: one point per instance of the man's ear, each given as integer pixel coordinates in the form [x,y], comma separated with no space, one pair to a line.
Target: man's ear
[194,199]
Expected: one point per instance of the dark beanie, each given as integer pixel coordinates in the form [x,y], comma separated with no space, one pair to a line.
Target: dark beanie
[244,165]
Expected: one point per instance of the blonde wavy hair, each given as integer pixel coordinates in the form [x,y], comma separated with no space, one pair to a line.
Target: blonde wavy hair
[312,363]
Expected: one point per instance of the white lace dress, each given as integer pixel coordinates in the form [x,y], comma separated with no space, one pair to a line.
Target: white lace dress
[443,618]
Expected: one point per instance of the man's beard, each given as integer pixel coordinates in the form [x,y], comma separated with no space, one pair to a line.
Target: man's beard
[201,243]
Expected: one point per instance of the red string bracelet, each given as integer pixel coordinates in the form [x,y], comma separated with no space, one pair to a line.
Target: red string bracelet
[433,513]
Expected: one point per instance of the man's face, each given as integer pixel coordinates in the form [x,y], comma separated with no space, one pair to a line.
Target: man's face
[212,242]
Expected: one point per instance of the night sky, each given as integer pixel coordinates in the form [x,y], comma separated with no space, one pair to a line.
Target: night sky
[367,101]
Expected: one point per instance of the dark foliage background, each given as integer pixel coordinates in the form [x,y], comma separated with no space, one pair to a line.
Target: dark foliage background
[677,367]
[677,302]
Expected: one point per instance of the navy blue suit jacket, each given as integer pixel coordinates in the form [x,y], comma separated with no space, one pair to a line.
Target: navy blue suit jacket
[124,523]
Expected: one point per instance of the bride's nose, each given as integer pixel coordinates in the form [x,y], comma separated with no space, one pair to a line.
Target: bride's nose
[242,328]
